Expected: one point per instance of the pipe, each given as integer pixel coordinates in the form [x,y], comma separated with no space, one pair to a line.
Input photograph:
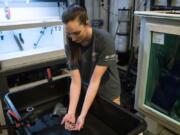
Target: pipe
[108,15]
[132,26]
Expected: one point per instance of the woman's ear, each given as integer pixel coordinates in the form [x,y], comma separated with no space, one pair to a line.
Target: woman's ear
[87,22]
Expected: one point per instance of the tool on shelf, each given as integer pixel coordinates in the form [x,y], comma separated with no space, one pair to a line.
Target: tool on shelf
[41,35]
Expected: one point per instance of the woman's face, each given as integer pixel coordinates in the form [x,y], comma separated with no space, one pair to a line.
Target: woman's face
[76,31]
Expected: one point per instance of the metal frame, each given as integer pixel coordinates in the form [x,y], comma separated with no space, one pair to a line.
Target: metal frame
[158,22]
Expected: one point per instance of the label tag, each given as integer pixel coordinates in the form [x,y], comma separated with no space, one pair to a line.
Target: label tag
[158,38]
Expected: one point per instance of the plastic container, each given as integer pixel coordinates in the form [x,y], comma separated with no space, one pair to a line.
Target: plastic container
[104,118]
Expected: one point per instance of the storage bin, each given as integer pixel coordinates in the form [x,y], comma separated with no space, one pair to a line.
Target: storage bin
[104,117]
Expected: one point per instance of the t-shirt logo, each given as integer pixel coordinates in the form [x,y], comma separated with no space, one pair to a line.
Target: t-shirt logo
[110,57]
[94,56]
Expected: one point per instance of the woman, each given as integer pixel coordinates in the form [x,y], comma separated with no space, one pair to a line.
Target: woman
[91,60]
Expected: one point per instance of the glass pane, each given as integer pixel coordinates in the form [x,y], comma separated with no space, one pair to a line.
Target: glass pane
[163,82]
[24,42]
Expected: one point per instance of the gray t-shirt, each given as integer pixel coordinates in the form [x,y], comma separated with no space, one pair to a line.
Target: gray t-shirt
[101,51]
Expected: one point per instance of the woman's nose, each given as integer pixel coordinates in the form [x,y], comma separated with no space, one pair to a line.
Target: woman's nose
[73,38]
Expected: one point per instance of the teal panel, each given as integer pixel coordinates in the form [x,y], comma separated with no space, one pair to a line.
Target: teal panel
[163,81]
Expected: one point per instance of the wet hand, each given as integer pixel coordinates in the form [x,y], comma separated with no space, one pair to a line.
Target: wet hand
[79,123]
[69,126]
[69,121]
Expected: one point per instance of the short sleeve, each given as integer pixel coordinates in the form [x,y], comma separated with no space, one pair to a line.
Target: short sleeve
[70,66]
[107,54]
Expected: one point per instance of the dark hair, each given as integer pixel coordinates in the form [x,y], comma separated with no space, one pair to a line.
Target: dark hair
[75,51]
[73,12]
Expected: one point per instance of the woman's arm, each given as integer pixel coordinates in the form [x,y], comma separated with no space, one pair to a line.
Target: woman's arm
[75,89]
[91,94]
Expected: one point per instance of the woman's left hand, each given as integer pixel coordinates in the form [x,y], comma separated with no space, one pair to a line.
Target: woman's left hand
[79,123]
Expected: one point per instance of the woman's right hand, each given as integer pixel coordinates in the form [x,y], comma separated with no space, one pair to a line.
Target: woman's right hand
[69,121]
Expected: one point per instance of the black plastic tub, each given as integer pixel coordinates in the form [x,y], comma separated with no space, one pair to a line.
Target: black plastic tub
[104,118]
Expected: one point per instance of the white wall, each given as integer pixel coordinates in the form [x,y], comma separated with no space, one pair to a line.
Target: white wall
[24,11]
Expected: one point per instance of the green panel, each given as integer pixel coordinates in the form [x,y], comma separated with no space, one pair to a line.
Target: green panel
[163,81]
